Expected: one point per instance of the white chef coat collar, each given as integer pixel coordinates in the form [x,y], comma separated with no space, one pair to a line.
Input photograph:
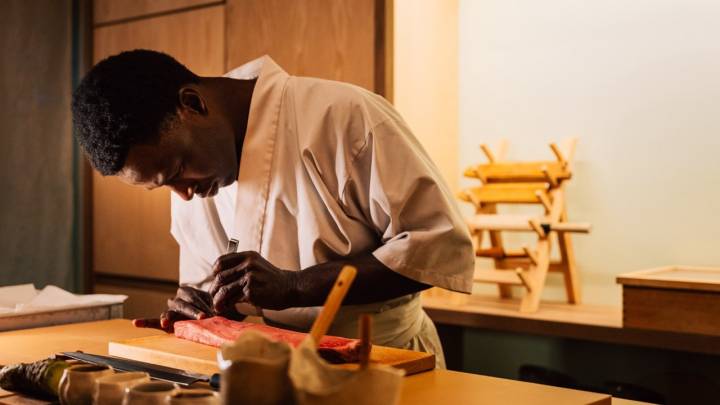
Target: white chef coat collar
[258,148]
[249,70]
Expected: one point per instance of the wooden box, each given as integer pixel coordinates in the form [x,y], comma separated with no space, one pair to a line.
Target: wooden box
[676,299]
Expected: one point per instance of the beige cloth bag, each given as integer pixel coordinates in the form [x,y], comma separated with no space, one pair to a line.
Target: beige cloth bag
[318,383]
[254,370]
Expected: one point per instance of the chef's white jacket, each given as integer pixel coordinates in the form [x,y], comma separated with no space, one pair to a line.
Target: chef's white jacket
[330,170]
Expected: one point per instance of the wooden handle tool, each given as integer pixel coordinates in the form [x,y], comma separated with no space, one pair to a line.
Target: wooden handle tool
[365,340]
[332,303]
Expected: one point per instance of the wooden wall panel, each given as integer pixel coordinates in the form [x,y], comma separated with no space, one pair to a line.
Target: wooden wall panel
[141,302]
[332,39]
[196,38]
[131,226]
[105,11]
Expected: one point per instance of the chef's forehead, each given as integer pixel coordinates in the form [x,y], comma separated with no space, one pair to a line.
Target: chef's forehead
[144,163]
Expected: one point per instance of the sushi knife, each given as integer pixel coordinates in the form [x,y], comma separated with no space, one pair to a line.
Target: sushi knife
[158,372]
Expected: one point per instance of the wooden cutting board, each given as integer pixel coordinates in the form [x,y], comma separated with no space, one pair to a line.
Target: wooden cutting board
[167,350]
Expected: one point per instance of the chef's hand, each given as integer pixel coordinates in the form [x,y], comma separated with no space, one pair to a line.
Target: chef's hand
[248,277]
[189,303]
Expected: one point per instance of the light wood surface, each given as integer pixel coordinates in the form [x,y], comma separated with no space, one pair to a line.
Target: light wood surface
[106,11]
[173,352]
[675,277]
[92,337]
[591,315]
[131,226]
[433,387]
[463,388]
[330,39]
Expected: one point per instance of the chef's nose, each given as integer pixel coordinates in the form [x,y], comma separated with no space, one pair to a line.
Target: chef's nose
[185,192]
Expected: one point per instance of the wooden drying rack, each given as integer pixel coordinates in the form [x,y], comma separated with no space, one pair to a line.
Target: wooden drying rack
[541,183]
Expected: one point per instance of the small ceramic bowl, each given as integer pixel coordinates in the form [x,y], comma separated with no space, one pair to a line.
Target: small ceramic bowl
[195,396]
[149,393]
[110,389]
[77,384]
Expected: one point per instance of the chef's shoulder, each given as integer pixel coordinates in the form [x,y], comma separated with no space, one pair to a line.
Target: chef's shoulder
[330,108]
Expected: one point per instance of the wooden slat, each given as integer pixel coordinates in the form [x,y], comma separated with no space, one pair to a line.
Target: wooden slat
[500,253]
[131,226]
[105,11]
[524,262]
[512,193]
[518,171]
[506,277]
[521,223]
[330,39]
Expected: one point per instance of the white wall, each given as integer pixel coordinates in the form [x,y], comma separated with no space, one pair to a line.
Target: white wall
[425,77]
[639,83]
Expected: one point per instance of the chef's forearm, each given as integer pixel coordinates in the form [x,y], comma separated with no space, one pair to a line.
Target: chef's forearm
[374,282]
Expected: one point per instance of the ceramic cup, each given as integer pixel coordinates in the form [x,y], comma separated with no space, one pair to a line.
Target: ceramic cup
[195,396]
[110,390]
[77,384]
[149,393]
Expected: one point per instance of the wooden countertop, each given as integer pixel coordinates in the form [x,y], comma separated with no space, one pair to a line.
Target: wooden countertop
[438,386]
[585,322]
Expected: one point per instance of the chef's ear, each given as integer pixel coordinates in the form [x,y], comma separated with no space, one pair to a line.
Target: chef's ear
[191,100]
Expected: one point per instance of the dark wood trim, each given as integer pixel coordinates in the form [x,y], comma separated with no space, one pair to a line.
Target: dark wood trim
[157,14]
[136,282]
[83,41]
[87,227]
[384,48]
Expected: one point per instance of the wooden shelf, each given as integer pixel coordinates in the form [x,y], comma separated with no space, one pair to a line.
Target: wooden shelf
[558,319]
[675,277]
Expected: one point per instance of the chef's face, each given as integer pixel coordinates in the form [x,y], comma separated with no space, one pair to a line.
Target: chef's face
[194,154]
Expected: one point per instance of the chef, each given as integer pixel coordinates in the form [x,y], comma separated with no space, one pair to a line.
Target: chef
[308,175]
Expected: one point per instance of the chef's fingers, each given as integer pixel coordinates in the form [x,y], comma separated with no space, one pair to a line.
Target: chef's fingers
[186,309]
[168,319]
[227,295]
[147,323]
[198,298]
[231,260]
[226,277]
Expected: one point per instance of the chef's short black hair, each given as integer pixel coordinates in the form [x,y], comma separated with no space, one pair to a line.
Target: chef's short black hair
[125,100]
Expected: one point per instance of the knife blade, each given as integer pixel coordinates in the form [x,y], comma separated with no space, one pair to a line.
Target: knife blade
[156,371]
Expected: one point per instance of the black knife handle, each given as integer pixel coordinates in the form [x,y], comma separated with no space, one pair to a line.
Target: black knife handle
[215,381]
